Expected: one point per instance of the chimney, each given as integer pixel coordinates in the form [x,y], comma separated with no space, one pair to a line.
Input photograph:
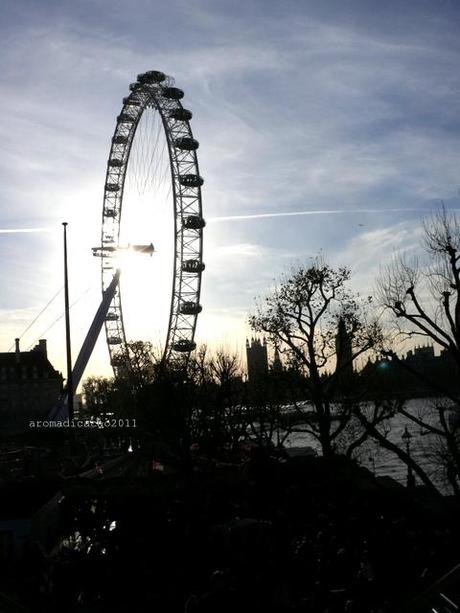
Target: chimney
[17,350]
[42,346]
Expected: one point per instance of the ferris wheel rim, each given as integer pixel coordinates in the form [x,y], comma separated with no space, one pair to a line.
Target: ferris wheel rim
[155,89]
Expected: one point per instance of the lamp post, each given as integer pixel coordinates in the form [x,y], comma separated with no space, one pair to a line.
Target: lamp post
[371,459]
[67,330]
[406,437]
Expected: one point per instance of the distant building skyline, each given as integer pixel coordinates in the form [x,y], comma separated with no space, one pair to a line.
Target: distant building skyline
[419,370]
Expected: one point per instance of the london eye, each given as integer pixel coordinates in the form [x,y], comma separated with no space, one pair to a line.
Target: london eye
[153,106]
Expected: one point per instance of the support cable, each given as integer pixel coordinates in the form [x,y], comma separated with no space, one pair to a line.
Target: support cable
[60,316]
[39,315]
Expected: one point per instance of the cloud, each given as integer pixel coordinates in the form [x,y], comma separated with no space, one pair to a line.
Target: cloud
[23,230]
[367,252]
[317,212]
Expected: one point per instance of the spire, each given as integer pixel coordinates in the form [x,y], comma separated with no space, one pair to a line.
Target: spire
[277,365]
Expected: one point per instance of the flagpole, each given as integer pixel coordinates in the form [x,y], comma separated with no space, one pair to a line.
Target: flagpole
[67,330]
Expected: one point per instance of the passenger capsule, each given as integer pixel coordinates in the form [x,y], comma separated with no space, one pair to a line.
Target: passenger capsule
[131,101]
[193,222]
[186,143]
[125,118]
[120,140]
[114,340]
[111,317]
[191,180]
[134,86]
[190,308]
[181,114]
[193,266]
[110,213]
[173,93]
[112,187]
[151,76]
[184,345]
[115,163]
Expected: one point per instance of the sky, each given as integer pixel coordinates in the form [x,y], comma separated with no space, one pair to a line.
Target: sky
[324,126]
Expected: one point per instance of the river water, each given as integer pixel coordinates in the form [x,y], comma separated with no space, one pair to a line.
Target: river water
[425,447]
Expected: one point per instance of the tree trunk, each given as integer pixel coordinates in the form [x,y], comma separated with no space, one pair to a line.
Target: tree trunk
[402,455]
[324,425]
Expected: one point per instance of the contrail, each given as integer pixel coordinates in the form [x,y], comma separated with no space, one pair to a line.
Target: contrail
[314,212]
[23,230]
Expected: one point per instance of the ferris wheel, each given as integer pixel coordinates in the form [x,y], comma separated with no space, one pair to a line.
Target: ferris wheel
[155,93]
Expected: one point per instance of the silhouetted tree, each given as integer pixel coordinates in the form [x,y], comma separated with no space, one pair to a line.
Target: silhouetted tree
[219,417]
[269,419]
[144,362]
[424,298]
[301,317]
[98,394]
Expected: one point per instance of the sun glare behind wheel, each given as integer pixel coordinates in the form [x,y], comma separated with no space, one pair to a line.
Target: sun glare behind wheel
[146,218]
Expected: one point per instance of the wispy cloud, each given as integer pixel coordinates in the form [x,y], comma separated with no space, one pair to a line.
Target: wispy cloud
[23,230]
[317,212]
[367,252]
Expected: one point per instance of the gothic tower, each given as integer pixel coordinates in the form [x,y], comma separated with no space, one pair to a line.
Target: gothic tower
[344,352]
[256,354]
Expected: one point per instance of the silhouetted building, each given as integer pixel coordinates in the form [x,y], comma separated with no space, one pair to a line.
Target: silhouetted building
[257,359]
[29,386]
[421,357]
[277,365]
[419,372]
[344,352]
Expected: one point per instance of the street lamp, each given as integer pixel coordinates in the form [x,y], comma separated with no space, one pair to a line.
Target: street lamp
[371,459]
[406,437]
